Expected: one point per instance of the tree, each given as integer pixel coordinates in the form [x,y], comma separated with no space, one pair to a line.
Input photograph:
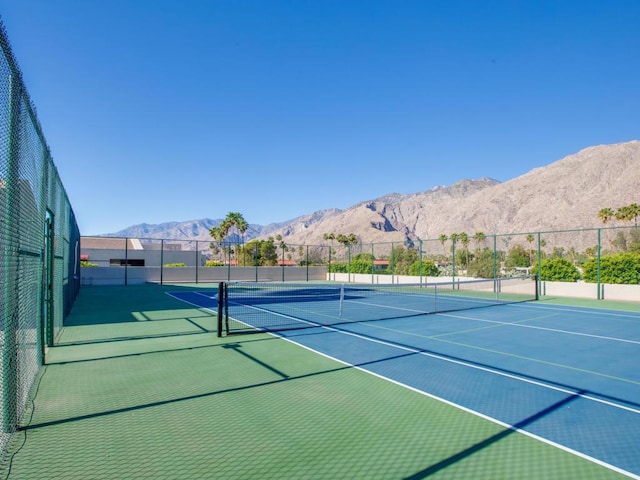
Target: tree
[268,252]
[240,223]
[250,253]
[606,214]
[259,252]
[232,220]
[282,245]
[530,239]
[454,239]
[218,235]
[465,240]
[480,238]
[346,240]
[473,270]
[235,219]
[629,213]
[443,238]
[517,256]
[483,265]
[331,237]
[634,213]
[362,263]
[403,258]
[424,268]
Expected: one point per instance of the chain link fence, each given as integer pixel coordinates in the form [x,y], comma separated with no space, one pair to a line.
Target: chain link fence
[578,256]
[40,271]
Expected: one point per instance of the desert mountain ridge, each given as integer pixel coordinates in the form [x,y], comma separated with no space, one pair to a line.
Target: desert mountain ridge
[566,194]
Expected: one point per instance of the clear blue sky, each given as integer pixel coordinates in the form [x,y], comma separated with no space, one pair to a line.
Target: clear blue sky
[160,110]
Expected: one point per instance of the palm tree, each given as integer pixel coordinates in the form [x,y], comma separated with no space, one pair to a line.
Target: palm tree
[443,238]
[235,219]
[218,234]
[530,239]
[454,239]
[606,214]
[464,239]
[628,213]
[480,238]
[329,236]
[283,246]
[634,212]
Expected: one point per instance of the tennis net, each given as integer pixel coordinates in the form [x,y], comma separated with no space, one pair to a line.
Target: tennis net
[276,306]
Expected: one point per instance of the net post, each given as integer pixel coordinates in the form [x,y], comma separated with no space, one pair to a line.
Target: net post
[220,306]
[537,288]
[226,308]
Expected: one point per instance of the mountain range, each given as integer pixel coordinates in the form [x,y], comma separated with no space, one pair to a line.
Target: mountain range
[566,194]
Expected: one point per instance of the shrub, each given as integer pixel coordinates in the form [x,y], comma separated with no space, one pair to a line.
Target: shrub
[623,268]
[429,269]
[338,267]
[361,266]
[557,270]
[84,263]
[171,265]
[213,263]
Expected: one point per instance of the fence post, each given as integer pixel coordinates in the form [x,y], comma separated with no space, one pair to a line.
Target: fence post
[539,273]
[373,265]
[420,260]
[126,261]
[162,261]
[197,260]
[11,264]
[220,307]
[598,266]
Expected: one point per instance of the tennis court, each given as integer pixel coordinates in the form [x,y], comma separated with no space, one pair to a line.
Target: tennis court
[141,386]
[564,375]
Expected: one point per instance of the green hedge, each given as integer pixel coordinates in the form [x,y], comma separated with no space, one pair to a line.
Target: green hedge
[557,270]
[622,269]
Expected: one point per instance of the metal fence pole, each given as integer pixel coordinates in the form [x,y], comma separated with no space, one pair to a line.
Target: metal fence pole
[197,260]
[599,296]
[11,265]
[126,261]
[162,262]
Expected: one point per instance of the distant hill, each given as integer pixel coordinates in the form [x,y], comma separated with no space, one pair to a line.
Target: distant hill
[187,230]
[566,194]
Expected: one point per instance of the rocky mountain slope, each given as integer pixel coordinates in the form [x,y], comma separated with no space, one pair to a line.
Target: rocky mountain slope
[566,194]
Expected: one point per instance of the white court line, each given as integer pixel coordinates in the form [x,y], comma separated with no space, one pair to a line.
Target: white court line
[450,360]
[584,310]
[568,332]
[556,330]
[172,295]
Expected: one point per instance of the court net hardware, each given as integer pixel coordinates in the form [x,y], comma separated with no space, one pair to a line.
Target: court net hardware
[276,306]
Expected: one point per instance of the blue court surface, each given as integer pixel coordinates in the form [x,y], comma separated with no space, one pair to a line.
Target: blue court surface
[568,376]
